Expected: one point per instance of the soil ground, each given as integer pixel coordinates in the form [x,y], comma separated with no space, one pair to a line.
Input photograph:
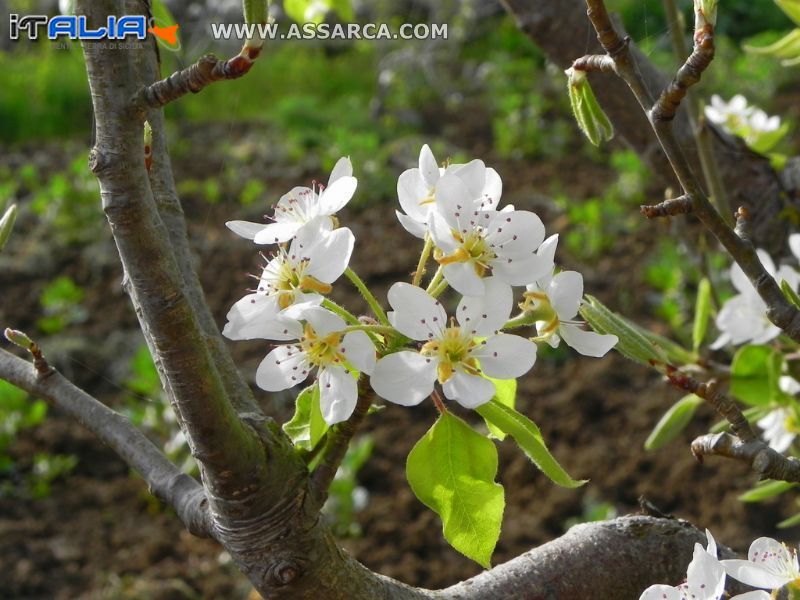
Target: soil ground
[100,535]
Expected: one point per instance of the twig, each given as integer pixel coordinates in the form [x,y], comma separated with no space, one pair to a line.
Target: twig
[761,458]
[592,63]
[196,77]
[668,208]
[164,479]
[339,438]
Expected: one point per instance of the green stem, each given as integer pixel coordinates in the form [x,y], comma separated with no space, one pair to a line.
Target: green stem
[362,288]
[382,329]
[435,280]
[521,320]
[423,260]
[341,311]
[439,289]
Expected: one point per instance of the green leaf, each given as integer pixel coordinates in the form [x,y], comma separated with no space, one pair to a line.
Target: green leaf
[787,48]
[673,422]
[590,116]
[7,224]
[790,293]
[754,375]
[768,488]
[792,521]
[505,392]
[530,440]
[791,8]
[255,11]
[451,470]
[306,426]
[633,342]
[702,312]
[767,140]
[307,11]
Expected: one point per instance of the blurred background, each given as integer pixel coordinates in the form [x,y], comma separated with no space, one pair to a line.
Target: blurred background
[74,523]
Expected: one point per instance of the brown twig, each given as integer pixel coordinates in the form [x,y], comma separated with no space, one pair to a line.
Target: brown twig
[592,63]
[761,458]
[668,208]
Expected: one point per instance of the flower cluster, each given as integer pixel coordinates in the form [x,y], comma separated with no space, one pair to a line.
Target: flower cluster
[482,252]
[759,130]
[770,565]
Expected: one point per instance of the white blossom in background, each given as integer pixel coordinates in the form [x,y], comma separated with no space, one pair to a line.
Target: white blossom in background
[472,242]
[769,565]
[739,118]
[321,346]
[743,318]
[776,424]
[705,579]
[457,355]
[417,189]
[297,275]
[302,208]
[557,299]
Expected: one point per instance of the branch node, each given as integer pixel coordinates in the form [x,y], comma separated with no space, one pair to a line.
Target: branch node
[669,208]
[742,229]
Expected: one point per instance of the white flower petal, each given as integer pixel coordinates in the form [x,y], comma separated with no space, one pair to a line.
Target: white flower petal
[470,391]
[755,595]
[359,351]
[705,577]
[521,271]
[473,174]
[566,292]
[428,168]
[492,190]
[505,356]
[284,367]
[794,245]
[323,321]
[753,574]
[462,278]
[342,168]
[257,317]
[661,592]
[405,378]
[338,394]
[245,229]
[483,315]
[334,197]
[789,385]
[330,254]
[547,250]
[416,314]
[442,233]
[515,234]
[711,548]
[412,193]
[587,343]
[415,228]
[454,203]
[278,232]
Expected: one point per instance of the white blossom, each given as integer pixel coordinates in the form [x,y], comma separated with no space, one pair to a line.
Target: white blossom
[322,346]
[458,355]
[473,242]
[779,425]
[739,118]
[302,208]
[769,565]
[417,189]
[297,275]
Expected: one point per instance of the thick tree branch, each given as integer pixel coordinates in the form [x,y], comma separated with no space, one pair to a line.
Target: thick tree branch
[164,479]
[761,458]
[561,29]
[779,310]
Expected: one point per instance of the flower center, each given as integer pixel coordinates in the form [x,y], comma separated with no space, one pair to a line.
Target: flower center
[452,350]
[537,305]
[473,248]
[288,277]
[321,350]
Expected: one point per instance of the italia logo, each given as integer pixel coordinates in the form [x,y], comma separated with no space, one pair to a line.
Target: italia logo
[75,27]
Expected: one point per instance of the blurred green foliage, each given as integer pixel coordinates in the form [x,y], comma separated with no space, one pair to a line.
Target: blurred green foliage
[61,303]
[346,497]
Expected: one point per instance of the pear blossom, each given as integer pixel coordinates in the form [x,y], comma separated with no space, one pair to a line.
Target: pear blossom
[705,579]
[303,208]
[416,189]
[322,346]
[472,242]
[769,565]
[297,275]
[743,318]
[458,355]
[780,424]
[555,300]
[740,118]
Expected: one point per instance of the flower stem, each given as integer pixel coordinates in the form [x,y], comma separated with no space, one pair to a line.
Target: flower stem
[362,288]
[439,289]
[382,329]
[423,260]
[341,311]
[435,280]
[521,320]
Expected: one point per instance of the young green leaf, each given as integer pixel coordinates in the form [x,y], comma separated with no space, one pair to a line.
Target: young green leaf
[590,116]
[633,343]
[754,375]
[792,521]
[505,393]
[702,312]
[790,293]
[673,422]
[766,489]
[786,48]
[529,439]
[7,224]
[791,8]
[255,11]
[451,470]
[306,426]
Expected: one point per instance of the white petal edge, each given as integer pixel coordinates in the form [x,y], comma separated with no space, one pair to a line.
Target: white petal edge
[404,378]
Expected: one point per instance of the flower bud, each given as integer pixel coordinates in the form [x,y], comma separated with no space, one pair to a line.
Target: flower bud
[707,9]
[590,117]
[256,12]
[7,224]
[18,338]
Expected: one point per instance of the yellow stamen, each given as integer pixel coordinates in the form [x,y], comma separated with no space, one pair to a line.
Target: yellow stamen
[312,284]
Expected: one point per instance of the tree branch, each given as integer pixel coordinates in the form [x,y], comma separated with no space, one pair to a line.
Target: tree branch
[757,454]
[164,479]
